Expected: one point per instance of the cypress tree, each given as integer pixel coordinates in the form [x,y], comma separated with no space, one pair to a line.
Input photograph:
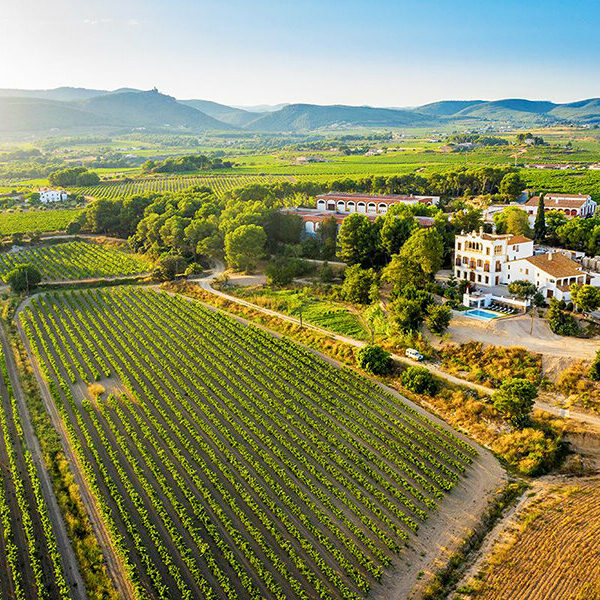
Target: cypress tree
[539,227]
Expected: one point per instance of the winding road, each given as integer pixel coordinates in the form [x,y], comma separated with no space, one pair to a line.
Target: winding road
[206,284]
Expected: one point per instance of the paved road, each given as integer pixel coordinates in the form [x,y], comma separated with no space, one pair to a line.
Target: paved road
[68,558]
[206,284]
[115,565]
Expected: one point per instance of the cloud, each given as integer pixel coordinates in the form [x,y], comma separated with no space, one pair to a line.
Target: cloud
[102,21]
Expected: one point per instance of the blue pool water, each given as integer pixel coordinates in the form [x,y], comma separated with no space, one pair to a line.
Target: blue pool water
[481,313]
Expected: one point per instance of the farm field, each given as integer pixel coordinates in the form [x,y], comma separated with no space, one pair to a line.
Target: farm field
[36,220]
[230,463]
[75,260]
[551,552]
[319,311]
[218,183]
[30,565]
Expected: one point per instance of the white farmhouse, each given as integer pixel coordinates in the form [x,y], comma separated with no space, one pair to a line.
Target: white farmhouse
[552,273]
[489,260]
[47,195]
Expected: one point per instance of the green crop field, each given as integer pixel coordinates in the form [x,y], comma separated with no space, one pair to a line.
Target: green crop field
[218,183]
[319,311]
[36,220]
[75,260]
[30,564]
[230,463]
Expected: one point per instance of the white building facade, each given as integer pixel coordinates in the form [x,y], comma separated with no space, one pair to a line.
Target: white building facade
[368,203]
[489,260]
[572,205]
[52,196]
[481,258]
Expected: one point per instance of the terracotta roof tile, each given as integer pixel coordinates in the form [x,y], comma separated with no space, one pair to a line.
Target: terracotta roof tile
[556,265]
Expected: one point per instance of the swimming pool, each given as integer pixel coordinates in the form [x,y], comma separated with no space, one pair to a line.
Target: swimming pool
[482,314]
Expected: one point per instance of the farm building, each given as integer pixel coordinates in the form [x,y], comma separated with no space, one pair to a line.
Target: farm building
[490,260]
[368,203]
[572,205]
[47,195]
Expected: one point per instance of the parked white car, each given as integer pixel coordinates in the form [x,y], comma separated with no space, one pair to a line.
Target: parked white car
[413,354]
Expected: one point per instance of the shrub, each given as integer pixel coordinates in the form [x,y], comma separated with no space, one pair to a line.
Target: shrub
[438,318]
[419,380]
[374,359]
[560,322]
[359,284]
[515,400]
[23,278]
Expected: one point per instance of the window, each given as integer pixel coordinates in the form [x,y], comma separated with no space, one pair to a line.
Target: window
[487,250]
[458,245]
[487,279]
[479,278]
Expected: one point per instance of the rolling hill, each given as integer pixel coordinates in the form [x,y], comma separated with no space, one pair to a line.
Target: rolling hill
[307,117]
[150,109]
[222,112]
[79,109]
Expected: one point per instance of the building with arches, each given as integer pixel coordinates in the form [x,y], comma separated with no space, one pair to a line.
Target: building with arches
[572,205]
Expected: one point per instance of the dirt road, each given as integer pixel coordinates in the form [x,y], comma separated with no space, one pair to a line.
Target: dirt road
[206,284]
[68,558]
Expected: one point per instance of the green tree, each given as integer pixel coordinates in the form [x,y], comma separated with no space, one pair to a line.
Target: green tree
[517,222]
[554,219]
[419,380]
[169,266]
[374,359]
[595,367]
[585,297]
[407,314]
[402,271]
[522,289]
[244,246]
[438,318]
[539,227]
[426,248]
[511,186]
[356,241]
[468,219]
[358,283]
[560,322]
[23,278]
[396,229]
[515,400]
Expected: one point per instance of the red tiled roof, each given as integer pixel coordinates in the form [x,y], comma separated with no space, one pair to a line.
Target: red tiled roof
[556,265]
[561,200]
[518,239]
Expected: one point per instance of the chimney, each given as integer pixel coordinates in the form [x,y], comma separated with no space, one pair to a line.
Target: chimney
[549,255]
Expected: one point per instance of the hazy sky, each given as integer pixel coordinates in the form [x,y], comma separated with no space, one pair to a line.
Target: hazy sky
[378,52]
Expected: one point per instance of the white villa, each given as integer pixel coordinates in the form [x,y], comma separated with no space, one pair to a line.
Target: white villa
[482,257]
[489,260]
[47,195]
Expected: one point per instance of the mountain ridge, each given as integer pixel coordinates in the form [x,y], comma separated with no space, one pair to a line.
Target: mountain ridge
[66,108]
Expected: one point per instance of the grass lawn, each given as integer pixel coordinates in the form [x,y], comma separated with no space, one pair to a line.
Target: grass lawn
[328,314]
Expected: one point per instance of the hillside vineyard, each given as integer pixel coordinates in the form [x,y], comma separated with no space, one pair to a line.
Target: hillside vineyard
[230,463]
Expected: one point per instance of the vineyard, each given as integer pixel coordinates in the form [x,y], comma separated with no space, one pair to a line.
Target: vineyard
[30,565]
[230,463]
[218,183]
[36,220]
[552,552]
[75,260]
